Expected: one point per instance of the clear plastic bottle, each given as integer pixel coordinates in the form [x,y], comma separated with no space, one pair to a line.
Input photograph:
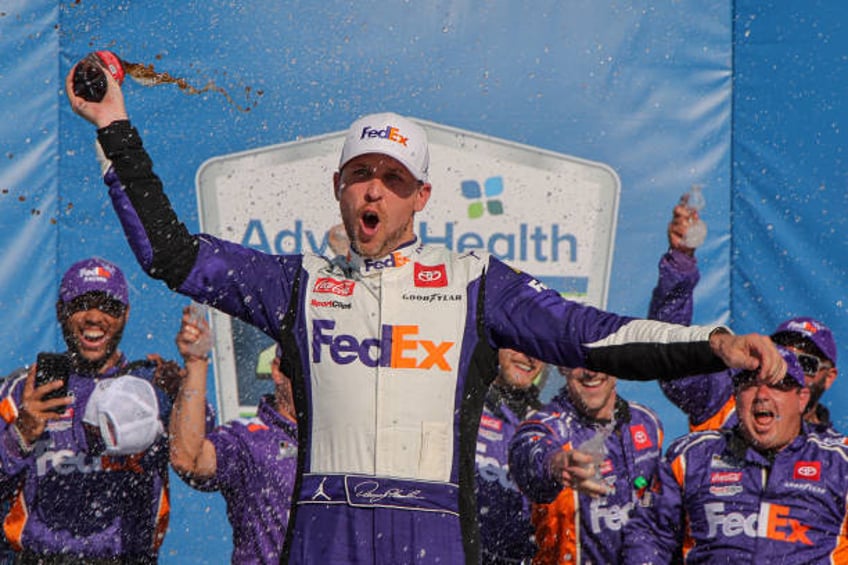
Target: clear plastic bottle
[90,81]
[199,316]
[596,446]
[697,232]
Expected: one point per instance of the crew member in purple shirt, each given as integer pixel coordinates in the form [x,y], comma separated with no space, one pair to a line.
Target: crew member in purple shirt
[251,461]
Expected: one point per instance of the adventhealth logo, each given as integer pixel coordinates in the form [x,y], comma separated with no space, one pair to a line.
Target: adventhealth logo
[522,242]
[492,187]
[397,347]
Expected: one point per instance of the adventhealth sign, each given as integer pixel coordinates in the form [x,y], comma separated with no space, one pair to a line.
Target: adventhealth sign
[549,214]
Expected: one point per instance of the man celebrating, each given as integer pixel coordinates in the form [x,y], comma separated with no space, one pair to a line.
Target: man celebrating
[765,491]
[251,461]
[506,534]
[87,472]
[391,386]
[619,443]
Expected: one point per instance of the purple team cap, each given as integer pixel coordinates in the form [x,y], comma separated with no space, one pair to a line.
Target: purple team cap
[810,330]
[793,367]
[94,275]
[794,373]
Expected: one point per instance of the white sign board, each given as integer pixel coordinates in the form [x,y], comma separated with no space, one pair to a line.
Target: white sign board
[549,214]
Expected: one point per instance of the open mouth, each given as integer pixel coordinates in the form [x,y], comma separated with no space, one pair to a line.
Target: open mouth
[593,382]
[524,367]
[763,417]
[92,338]
[370,221]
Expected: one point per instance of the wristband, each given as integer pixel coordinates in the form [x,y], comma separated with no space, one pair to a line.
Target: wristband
[26,448]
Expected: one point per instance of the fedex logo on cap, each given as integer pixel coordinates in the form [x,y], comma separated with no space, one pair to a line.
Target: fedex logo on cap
[390,133]
[803,327]
[807,470]
[396,347]
[98,273]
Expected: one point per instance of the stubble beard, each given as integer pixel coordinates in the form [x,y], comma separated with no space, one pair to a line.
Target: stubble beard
[391,242]
[90,366]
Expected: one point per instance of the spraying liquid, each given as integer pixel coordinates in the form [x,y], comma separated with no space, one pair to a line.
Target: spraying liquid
[90,82]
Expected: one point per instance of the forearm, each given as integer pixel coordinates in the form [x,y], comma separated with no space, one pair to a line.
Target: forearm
[162,244]
[647,350]
[190,451]
[530,453]
[672,298]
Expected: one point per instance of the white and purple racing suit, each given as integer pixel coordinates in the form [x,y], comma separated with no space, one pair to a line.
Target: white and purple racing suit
[390,360]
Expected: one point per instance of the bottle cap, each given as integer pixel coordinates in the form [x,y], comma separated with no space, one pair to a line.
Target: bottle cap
[112,64]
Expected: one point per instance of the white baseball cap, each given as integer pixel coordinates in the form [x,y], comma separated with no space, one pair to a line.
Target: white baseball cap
[392,135]
[126,411]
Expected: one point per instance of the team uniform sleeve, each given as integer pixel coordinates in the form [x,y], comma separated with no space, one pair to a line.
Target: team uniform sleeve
[522,314]
[13,458]
[672,299]
[654,533]
[703,398]
[536,440]
[210,270]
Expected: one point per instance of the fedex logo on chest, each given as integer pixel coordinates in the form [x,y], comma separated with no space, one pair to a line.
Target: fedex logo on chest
[397,346]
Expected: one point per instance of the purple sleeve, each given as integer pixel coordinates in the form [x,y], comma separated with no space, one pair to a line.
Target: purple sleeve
[672,298]
[522,314]
[13,459]
[700,397]
[240,281]
[653,535]
[225,274]
[534,443]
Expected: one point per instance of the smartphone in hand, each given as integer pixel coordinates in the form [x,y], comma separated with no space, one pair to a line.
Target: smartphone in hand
[53,367]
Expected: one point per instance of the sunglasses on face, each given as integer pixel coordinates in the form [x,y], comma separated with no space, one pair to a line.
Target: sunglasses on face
[96,301]
[747,379]
[809,363]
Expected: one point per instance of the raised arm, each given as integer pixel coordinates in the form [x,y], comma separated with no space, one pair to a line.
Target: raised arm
[672,299]
[191,453]
[706,399]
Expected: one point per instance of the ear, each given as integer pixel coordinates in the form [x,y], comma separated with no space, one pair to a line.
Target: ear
[803,399]
[336,186]
[422,196]
[831,376]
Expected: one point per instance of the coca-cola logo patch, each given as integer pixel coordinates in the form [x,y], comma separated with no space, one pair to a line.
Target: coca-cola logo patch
[807,470]
[725,477]
[430,276]
[489,422]
[329,285]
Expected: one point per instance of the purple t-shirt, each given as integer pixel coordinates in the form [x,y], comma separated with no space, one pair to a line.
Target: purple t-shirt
[256,465]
